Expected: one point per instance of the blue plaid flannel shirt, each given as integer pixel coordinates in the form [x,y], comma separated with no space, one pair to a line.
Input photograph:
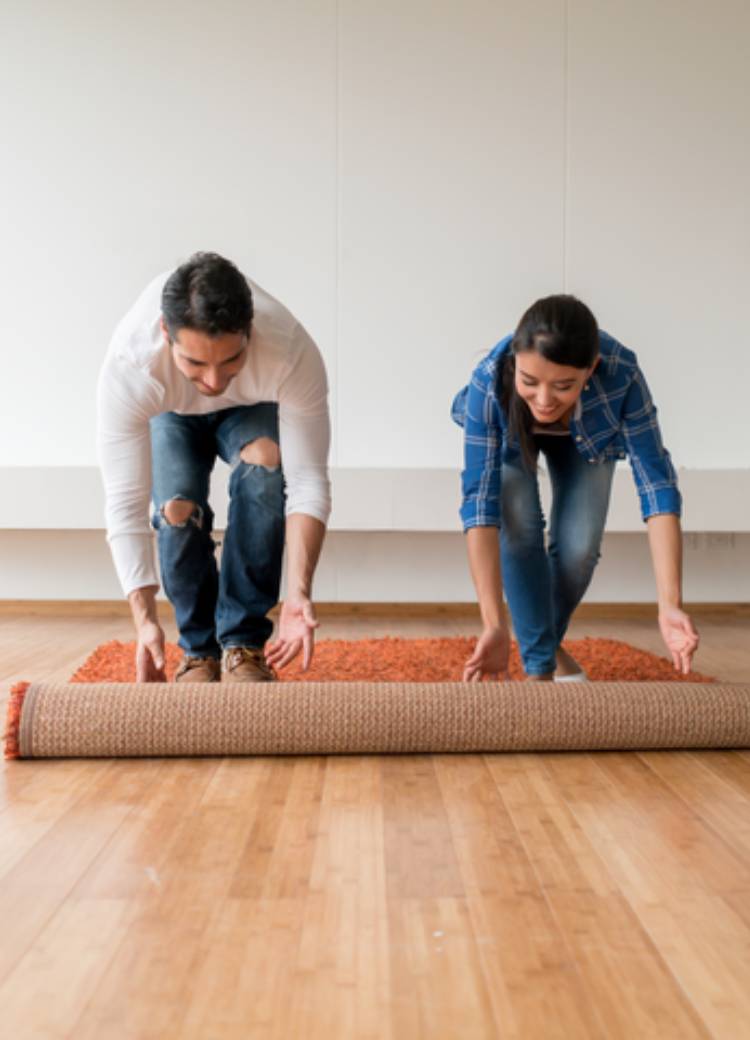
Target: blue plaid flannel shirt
[615,417]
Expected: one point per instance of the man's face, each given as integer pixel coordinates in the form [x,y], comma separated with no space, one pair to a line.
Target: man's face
[209,362]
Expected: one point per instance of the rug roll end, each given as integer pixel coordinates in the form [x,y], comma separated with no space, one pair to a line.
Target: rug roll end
[13,720]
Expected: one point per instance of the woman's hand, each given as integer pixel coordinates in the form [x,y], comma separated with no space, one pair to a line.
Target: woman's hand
[680,637]
[490,657]
[149,653]
[297,624]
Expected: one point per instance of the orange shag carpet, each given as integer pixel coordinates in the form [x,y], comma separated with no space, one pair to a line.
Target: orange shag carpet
[406,660]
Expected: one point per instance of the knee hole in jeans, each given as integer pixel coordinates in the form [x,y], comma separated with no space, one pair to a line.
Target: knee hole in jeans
[178,512]
[261,452]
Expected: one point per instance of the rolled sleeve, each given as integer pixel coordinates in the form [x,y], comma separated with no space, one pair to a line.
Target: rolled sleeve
[305,433]
[125,401]
[483,438]
[653,472]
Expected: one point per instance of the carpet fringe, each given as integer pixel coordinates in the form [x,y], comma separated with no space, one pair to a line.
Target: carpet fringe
[13,720]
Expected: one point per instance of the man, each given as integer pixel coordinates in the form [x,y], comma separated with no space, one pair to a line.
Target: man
[204,364]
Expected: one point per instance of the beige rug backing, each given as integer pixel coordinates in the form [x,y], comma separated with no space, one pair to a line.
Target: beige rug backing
[128,719]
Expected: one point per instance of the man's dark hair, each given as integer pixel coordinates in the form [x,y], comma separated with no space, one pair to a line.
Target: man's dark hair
[209,294]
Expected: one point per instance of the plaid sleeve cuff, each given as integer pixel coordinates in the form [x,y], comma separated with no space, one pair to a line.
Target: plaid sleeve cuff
[480,505]
[661,500]
[476,514]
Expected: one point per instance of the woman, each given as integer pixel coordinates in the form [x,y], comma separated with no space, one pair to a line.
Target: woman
[560,387]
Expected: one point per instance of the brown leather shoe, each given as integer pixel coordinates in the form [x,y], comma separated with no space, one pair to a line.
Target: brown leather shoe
[198,669]
[246,664]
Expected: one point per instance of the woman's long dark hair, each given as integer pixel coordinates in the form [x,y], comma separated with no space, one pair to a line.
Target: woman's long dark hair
[562,330]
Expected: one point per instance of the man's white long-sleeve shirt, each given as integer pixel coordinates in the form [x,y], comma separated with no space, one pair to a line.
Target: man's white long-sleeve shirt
[140,380]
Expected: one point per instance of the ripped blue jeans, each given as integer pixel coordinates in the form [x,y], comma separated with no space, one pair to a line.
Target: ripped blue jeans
[228,606]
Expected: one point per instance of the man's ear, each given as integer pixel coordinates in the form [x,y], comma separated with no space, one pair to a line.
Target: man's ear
[595,365]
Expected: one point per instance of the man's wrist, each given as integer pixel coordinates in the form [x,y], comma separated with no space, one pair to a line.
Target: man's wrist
[143,605]
[296,592]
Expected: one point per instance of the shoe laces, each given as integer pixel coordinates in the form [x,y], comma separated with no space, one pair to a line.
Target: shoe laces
[195,662]
[253,655]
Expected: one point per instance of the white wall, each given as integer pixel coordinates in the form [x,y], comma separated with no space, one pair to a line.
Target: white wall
[135,133]
[407,177]
[657,204]
[451,162]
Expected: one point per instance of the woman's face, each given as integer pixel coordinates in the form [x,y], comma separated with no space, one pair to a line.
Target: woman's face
[549,390]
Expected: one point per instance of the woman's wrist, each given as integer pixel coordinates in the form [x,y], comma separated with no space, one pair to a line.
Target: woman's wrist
[494,621]
[669,596]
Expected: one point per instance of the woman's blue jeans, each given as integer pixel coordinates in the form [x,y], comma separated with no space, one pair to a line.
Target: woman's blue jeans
[544,584]
[217,609]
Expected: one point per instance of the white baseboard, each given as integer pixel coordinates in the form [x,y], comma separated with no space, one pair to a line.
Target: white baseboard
[69,498]
[382,567]
[394,537]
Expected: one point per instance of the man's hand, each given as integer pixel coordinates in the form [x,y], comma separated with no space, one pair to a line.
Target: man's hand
[490,657]
[680,637]
[297,624]
[149,654]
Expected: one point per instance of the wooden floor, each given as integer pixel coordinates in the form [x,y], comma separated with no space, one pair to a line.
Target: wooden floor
[568,895]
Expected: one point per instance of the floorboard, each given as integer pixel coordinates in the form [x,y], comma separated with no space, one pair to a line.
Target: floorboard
[523,896]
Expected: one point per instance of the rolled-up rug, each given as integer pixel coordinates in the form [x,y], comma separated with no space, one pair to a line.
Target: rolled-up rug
[62,720]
